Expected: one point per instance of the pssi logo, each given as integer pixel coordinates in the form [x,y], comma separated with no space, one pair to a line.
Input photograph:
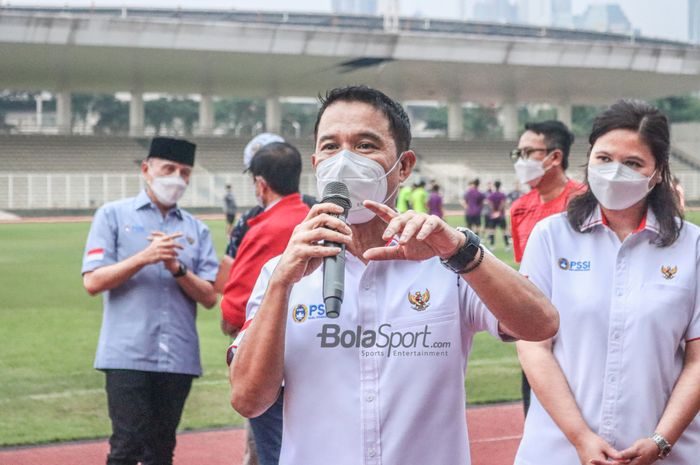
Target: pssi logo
[571,265]
[301,312]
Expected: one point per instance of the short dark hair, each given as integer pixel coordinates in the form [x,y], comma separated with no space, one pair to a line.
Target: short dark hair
[399,123]
[556,136]
[279,164]
[652,126]
[497,185]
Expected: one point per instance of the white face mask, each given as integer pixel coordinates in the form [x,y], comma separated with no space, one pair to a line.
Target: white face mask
[365,178]
[168,189]
[529,170]
[617,186]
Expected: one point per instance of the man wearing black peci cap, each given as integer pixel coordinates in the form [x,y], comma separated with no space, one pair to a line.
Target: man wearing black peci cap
[154,262]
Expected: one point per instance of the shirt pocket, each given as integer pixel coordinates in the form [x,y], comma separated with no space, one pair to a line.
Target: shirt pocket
[665,309]
[436,316]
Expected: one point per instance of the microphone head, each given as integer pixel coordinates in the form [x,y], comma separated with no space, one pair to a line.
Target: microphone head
[337,193]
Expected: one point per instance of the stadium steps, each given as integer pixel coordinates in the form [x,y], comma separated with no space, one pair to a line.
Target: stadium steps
[120,154]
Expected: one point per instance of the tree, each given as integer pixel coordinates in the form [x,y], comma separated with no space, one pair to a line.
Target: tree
[113,115]
[680,109]
[239,115]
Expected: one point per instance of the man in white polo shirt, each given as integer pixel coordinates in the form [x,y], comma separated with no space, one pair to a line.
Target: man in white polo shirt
[384,382]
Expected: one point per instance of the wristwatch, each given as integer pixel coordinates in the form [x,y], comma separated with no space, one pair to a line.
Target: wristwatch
[181,270]
[663,445]
[465,254]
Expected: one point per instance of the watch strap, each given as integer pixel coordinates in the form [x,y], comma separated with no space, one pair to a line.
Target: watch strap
[181,270]
[663,445]
[461,259]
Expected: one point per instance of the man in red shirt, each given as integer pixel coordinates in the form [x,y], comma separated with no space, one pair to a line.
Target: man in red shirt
[276,169]
[541,160]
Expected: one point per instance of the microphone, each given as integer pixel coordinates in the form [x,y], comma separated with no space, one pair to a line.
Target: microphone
[334,267]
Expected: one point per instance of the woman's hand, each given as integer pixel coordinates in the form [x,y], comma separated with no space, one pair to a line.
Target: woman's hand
[594,450]
[642,452]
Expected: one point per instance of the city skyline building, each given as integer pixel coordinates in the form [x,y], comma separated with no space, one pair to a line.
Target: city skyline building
[355,7]
[694,21]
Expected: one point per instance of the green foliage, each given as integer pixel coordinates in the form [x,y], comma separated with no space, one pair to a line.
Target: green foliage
[582,120]
[303,114]
[436,118]
[680,109]
[239,116]
[113,115]
[174,114]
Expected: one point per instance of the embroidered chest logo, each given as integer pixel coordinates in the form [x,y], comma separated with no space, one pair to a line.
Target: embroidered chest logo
[668,272]
[190,240]
[574,265]
[300,313]
[419,301]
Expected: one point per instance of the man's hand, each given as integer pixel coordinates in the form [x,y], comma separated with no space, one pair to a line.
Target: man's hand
[162,248]
[304,253]
[421,236]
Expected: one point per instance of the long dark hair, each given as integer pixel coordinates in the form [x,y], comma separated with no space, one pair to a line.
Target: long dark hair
[652,127]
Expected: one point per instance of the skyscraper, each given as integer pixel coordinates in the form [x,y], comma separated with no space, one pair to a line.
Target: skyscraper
[497,11]
[556,13]
[605,18]
[355,7]
[694,21]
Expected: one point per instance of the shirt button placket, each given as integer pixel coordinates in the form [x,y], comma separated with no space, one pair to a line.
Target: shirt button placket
[369,373]
[614,352]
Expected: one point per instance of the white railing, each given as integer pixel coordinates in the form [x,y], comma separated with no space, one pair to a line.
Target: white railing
[26,191]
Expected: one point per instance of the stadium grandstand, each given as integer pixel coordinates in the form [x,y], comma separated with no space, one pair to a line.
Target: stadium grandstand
[82,172]
[103,49]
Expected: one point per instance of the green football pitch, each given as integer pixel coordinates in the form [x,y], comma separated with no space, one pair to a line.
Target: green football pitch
[48,334]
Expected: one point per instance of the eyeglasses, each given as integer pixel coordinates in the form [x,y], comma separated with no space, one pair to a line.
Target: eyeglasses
[525,153]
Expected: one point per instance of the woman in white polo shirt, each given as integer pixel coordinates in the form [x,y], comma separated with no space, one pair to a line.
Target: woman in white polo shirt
[621,380]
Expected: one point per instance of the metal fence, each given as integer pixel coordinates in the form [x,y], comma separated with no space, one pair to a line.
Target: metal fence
[62,191]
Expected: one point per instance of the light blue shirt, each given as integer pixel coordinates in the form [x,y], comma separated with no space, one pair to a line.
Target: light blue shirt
[148,322]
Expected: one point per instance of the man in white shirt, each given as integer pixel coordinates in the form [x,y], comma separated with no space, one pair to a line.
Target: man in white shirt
[383,382]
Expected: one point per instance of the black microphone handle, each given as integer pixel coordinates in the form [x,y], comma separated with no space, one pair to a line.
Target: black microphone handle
[334,281]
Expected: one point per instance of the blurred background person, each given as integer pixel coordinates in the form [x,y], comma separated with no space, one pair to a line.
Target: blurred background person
[435,201]
[419,197]
[486,208]
[276,170]
[403,199]
[230,209]
[540,161]
[154,262]
[680,192]
[497,204]
[473,203]
[619,382]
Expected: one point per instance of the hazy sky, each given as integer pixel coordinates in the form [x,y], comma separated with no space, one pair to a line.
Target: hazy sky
[659,18]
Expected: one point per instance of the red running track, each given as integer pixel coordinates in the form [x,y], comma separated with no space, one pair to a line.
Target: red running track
[494,434]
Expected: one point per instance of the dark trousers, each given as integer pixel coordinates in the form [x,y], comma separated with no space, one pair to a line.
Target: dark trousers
[267,430]
[145,409]
[525,390]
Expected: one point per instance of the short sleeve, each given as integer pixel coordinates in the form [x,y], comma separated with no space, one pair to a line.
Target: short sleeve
[537,259]
[477,316]
[100,248]
[208,264]
[693,331]
[256,298]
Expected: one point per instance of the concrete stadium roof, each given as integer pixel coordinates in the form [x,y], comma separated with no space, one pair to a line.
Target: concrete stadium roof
[284,54]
